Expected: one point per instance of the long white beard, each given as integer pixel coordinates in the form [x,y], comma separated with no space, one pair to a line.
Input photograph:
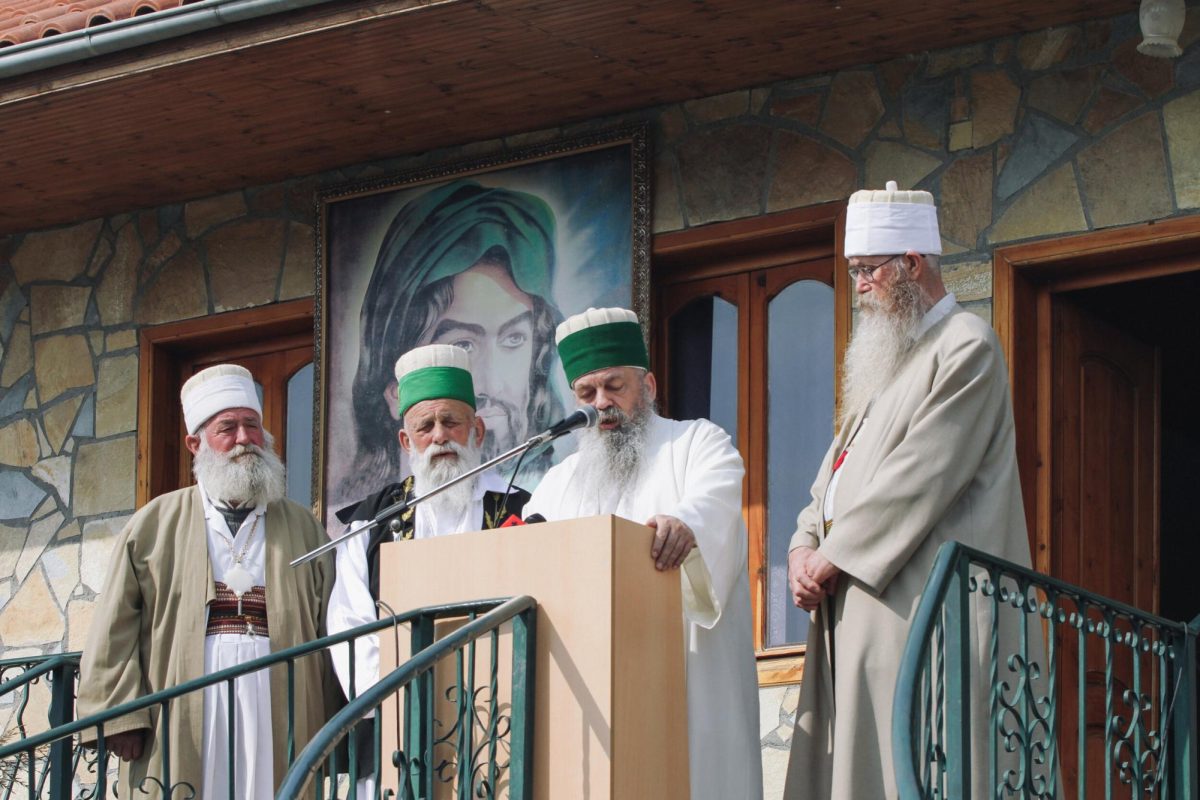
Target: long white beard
[610,460]
[244,475]
[430,473]
[885,335]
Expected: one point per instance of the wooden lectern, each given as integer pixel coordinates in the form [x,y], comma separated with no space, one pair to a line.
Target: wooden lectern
[611,700]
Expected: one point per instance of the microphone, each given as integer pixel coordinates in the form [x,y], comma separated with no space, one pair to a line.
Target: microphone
[582,417]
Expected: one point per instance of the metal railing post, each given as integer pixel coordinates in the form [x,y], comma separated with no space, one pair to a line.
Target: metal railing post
[520,774]
[418,732]
[1184,729]
[62,711]
[958,681]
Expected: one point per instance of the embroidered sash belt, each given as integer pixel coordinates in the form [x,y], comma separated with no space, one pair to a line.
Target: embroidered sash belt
[223,616]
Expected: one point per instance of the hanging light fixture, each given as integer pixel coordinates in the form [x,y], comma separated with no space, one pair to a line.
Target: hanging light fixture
[1161,22]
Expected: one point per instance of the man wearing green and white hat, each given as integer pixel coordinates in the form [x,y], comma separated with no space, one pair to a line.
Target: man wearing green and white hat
[442,436]
[684,479]
[924,454]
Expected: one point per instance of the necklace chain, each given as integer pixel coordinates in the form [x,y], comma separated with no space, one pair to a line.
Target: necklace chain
[239,557]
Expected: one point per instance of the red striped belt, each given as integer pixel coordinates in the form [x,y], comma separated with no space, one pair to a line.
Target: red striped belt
[224,617]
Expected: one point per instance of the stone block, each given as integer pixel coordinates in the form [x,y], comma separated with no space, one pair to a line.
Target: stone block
[668,214]
[299,265]
[32,618]
[99,538]
[18,355]
[895,73]
[982,309]
[20,396]
[147,224]
[12,544]
[61,363]
[1096,34]
[1109,107]
[270,200]
[758,99]
[808,172]
[56,255]
[58,419]
[1045,48]
[890,129]
[1187,69]
[244,261]
[158,256]
[723,172]
[803,108]
[853,108]
[114,295]
[769,700]
[774,764]
[718,107]
[1002,50]
[1039,144]
[1181,118]
[969,280]
[85,422]
[19,444]
[57,307]
[960,136]
[40,534]
[12,303]
[120,340]
[671,124]
[994,100]
[1050,206]
[69,531]
[200,215]
[104,477]
[100,256]
[1154,76]
[956,59]
[925,109]
[1124,175]
[1063,95]
[116,395]
[79,622]
[61,564]
[178,292]
[893,161]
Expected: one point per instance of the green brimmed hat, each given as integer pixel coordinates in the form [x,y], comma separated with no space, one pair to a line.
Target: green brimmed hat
[433,372]
[600,338]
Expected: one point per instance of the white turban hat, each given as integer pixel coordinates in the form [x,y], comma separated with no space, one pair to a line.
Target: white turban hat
[216,389]
[891,222]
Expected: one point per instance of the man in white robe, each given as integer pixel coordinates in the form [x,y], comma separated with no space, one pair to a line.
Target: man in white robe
[199,581]
[684,479]
[442,437]
[924,454]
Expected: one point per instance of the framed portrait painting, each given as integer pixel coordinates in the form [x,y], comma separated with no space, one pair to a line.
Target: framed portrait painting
[489,255]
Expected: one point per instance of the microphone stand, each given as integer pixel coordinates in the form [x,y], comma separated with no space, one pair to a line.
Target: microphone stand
[396,508]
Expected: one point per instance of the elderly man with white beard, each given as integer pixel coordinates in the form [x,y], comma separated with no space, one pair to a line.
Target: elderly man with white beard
[924,454]
[199,581]
[442,437]
[684,480]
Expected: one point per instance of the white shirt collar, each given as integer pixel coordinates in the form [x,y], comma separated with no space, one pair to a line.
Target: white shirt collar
[210,508]
[936,314]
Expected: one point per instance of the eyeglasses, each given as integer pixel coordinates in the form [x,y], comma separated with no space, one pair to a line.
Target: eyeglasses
[868,272]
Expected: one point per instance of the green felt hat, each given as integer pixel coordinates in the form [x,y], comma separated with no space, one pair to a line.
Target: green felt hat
[600,338]
[433,372]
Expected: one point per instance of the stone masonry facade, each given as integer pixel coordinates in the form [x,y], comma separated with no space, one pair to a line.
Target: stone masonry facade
[1050,133]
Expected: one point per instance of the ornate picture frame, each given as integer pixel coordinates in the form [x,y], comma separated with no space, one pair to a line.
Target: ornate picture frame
[489,254]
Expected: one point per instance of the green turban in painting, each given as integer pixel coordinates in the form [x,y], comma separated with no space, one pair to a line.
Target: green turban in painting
[434,237]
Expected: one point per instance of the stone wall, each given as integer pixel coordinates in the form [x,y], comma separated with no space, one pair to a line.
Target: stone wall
[1050,133]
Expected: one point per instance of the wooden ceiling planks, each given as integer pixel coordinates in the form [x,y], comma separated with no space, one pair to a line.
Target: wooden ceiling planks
[336,90]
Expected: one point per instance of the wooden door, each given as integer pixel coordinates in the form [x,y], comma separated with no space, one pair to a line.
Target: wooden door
[1105,511]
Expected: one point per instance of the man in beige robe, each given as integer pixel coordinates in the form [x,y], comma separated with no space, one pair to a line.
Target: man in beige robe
[172,610]
[924,454]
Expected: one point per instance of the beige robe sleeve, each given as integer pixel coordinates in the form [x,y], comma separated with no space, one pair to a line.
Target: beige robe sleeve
[110,672]
[882,524]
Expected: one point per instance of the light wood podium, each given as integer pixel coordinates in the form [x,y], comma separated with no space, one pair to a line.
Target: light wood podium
[611,705]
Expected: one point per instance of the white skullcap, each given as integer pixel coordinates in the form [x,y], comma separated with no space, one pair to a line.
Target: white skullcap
[591,318]
[432,355]
[890,222]
[216,389]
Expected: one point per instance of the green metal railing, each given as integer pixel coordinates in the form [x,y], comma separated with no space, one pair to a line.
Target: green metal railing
[1015,684]
[487,748]
[53,758]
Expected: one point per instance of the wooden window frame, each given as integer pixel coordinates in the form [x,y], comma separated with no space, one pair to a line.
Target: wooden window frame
[165,353]
[725,254]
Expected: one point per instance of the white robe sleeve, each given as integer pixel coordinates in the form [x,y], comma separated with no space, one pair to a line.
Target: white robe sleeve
[350,605]
[709,477]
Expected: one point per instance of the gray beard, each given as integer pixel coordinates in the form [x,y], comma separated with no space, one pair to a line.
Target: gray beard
[245,475]
[885,336]
[610,460]
[429,474]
